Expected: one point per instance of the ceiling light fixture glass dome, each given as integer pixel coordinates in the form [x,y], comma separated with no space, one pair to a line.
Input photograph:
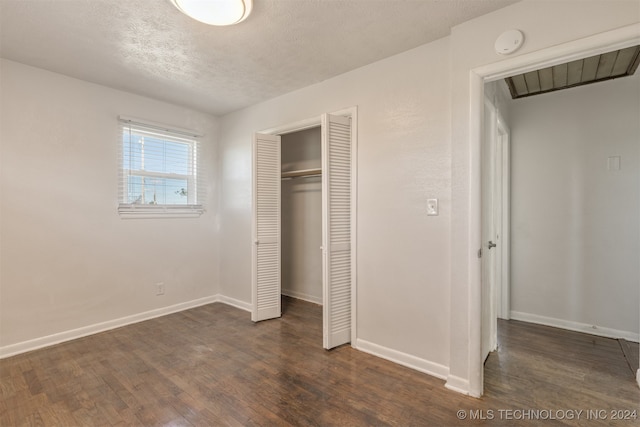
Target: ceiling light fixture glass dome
[215,12]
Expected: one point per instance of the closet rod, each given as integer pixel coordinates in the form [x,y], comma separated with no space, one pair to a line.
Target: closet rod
[302,173]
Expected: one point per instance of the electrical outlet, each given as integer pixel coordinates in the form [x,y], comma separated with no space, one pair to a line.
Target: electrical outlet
[160,288]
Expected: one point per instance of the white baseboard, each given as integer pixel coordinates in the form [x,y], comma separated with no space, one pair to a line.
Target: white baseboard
[301,295]
[404,359]
[60,337]
[242,305]
[457,384]
[575,326]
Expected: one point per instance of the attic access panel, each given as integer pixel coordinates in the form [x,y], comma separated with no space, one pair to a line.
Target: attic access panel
[607,66]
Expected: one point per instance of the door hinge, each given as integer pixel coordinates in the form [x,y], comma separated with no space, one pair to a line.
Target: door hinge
[480,253]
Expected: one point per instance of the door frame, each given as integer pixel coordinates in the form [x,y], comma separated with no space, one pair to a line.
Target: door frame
[503,168]
[313,122]
[593,45]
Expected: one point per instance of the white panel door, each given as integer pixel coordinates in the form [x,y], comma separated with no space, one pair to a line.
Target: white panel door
[489,241]
[336,230]
[266,227]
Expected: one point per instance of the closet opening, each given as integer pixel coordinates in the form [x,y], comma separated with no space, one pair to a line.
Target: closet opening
[301,213]
[304,221]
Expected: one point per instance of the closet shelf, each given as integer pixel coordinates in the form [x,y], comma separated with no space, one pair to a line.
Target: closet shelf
[302,173]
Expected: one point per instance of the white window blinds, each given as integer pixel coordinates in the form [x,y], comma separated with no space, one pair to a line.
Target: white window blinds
[160,172]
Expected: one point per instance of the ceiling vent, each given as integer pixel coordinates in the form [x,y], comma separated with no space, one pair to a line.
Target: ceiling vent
[607,66]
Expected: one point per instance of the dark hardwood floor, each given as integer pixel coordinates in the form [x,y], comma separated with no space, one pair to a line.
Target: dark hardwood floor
[212,366]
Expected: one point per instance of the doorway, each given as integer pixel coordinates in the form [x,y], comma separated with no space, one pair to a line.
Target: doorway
[617,39]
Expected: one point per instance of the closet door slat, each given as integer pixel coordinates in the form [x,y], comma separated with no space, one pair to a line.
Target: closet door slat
[266,273]
[336,211]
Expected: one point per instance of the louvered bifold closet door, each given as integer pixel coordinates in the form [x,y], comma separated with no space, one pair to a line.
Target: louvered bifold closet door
[336,210]
[266,227]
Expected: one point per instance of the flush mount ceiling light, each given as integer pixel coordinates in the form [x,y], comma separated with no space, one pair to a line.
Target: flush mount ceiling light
[215,12]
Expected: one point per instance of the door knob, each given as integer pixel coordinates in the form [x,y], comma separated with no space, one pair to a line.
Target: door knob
[491,244]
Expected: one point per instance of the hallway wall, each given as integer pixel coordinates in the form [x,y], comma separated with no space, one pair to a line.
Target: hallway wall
[575,229]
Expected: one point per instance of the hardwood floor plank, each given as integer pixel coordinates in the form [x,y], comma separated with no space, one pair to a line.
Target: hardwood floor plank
[32,381]
[23,408]
[212,366]
[34,420]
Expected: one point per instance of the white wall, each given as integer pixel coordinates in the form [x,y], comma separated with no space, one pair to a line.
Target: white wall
[302,217]
[545,24]
[575,226]
[68,260]
[403,159]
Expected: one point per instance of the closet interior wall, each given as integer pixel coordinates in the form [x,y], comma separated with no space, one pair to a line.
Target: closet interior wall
[301,227]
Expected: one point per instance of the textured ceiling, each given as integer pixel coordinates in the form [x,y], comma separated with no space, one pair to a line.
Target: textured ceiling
[150,48]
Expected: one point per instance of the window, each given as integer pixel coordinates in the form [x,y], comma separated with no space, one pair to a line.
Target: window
[159,171]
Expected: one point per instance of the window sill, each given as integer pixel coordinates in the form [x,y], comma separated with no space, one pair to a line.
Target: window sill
[166,211]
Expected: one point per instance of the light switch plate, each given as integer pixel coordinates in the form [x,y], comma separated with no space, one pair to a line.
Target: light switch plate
[432,207]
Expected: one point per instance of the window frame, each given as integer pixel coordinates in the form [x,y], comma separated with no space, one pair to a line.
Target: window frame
[194,206]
